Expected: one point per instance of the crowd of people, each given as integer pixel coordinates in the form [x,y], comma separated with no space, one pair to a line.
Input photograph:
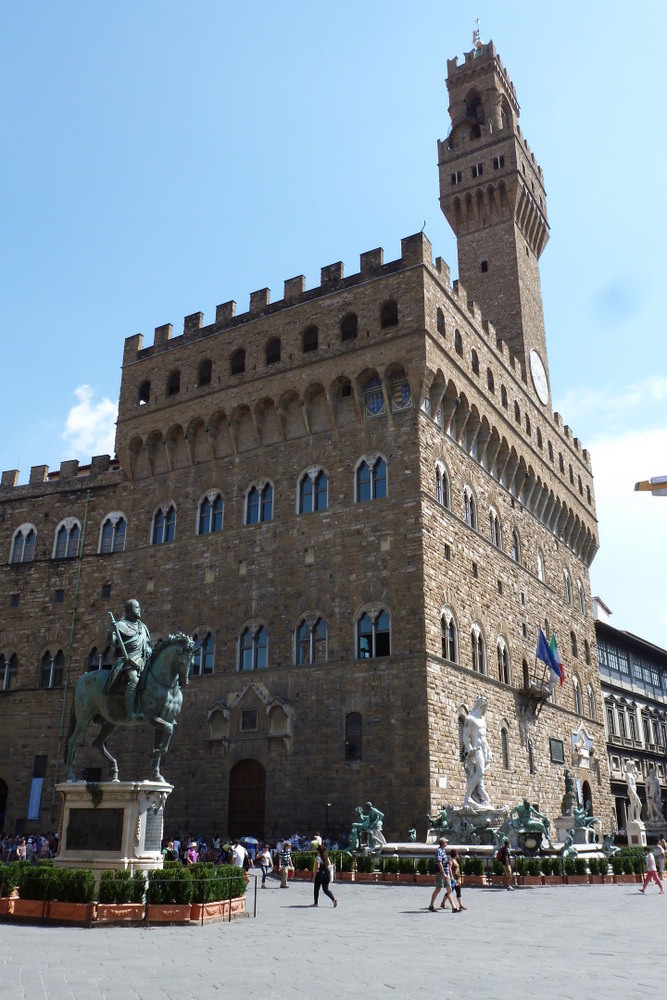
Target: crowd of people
[22,848]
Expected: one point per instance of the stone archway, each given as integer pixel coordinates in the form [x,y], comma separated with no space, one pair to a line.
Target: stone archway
[247,799]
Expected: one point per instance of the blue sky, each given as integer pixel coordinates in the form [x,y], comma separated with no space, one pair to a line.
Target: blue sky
[160,158]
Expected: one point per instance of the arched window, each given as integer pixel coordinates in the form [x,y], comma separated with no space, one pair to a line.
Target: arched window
[440,321]
[458,343]
[272,352]
[450,639]
[539,438]
[517,412]
[588,495]
[211,513]
[469,508]
[112,535]
[495,530]
[573,644]
[373,398]
[571,473]
[204,373]
[349,326]
[578,702]
[144,393]
[503,662]
[23,544]
[174,383]
[66,544]
[474,362]
[313,491]
[591,703]
[516,546]
[100,659]
[505,748]
[441,486]
[203,660]
[259,504]
[164,525]
[254,649]
[561,463]
[51,670]
[311,641]
[490,381]
[8,671]
[526,674]
[389,314]
[581,598]
[587,652]
[353,736]
[373,635]
[310,339]
[503,396]
[371,480]
[527,418]
[237,362]
[540,566]
[550,449]
[567,586]
[580,485]
[478,650]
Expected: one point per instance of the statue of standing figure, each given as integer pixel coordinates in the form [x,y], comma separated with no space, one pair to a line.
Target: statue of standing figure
[654,812]
[635,807]
[367,831]
[567,802]
[477,757]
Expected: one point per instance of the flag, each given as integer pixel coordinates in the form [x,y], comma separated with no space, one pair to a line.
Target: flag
[557,657]
[544,652]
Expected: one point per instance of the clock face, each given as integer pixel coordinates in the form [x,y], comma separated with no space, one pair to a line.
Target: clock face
[539,376]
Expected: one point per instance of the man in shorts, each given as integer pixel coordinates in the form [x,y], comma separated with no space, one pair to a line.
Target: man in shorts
[442,878]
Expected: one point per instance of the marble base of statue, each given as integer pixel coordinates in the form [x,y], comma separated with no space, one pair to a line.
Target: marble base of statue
[112,825]
[636,832]
[563,825]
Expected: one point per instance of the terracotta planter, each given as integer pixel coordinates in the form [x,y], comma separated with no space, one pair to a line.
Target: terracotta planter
[389,877]
[597,879]
[424,879]
[624,879]
[35,909]
[168,913]
[577,879]
[364,876]
[404,879]
[532,879]
[120,912]
[206,911]
[552,879]
[345,876]
[472,880]
[6,905]
[71,913]
[237,906]
[304,874]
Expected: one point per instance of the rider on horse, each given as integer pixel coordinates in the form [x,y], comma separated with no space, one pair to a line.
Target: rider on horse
[132,641]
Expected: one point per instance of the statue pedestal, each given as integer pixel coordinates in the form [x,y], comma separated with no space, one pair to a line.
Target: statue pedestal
[636,832]
[114,825]
[563,825]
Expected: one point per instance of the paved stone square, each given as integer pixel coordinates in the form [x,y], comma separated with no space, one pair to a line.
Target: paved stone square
[561,942]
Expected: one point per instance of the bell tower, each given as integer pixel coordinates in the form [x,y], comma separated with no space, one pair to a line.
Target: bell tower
[492,194]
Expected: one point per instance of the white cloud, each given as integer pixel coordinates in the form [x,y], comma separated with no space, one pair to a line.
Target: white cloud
[611,409]
[90,427]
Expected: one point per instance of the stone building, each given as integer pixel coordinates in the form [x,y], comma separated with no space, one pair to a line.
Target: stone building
[633,675]
[359,501]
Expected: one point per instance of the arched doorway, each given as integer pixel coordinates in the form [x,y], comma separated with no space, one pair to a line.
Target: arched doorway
[587,797]
[247,799]
[3,802]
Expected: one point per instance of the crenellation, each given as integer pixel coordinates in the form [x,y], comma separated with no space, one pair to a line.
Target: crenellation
[162,335]
[371,261]
[10,478]
[69,469]
[259,300]
[443,270]
[557,419]
[38,474]
[416,249]
[100,464]
[133,345]
[225,312]
[294,288]
[331,275]
[192,323]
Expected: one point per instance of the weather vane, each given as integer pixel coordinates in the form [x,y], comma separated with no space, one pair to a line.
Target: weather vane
[476,40]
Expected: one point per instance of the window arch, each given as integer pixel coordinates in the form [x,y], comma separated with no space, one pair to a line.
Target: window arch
[259,504]
[112,533]
[253,648]
[516,546]
[458,343]
[581,598]
[591,703]
[469,507]
[204,372]
[144,393]
[371,479]
[23,544]
[561,463]
[164,524]
[440,321]
[539,438]
[353,736]
[503,396]
[210,515]
[573,644]
[373,397]
[587,652]
[517,412]
[310,641]
[310,339]
[373,634]
[504,675]
[399,391]
[567,586]
[442,493]
[478,649]
[100,659]
[313,491]
[203,659]
[578,701]
[67,538]
[174,383]
[490,380]
[51,670]
[9,667]
[505,747]
[540,566]
[527,423]
[474,361]
[272,351]
[495,529]
[550,449]
[349,327]
[237,362]
[389,314]
[449,636]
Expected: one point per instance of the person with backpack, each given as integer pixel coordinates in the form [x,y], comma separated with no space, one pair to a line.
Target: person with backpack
[503,856]
[322,875]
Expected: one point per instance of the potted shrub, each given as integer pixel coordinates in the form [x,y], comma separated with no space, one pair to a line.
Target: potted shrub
[169,895]
[9,879]
[422,875]
[390,870]
[620,876]
[498,876]
[36,886]
[232,889]
[343,863]
[365,868]
[473,871]
[303,864]
[74,892]
[121,896]
[551,871]
[406,870]
[532,872]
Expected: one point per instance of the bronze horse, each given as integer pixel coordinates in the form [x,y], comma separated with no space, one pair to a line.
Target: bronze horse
[159,699]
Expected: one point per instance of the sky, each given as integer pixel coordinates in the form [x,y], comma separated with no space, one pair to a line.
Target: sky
[160,158]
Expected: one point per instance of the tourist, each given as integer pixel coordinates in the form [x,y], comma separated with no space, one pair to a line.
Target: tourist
[285,863]
[265,863]
[456,877]
[322,875]
[239,856]
[442,878]
[21,850]
[659,852]
[651,872]
[192,854]
[503,856]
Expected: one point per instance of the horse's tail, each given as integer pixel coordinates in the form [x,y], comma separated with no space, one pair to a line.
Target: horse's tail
[72,727]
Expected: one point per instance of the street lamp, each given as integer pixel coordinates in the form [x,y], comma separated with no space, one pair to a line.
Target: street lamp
[657,486]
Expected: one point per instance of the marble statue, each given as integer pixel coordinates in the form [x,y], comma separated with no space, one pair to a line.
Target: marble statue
[567,802]
[635,807]
[412,835]
[477,757]
[155,677]
[526,819]
[654,812]
[367,830]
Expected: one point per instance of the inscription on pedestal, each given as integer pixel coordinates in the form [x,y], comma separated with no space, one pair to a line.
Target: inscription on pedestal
[95,830]
[153,835]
